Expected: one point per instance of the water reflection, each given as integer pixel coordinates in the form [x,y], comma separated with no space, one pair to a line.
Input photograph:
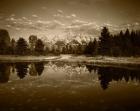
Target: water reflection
[32,70]
[36,69]
[22,69]
[4,73]
[39,67]
[105,75]
[109,74]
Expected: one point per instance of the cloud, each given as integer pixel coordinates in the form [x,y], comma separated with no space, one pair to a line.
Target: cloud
[8,26]
[75,25]
[73,15]
[55,24]
[24,18]
[48,25]
[68,17]
[18,29]
[12,18]
[83,27]
[137,24]
[35,16]
[78,22]
[67,23]
[12,15]
[58,15]
[61,15]
[58,22]
[25,23]
[60,11]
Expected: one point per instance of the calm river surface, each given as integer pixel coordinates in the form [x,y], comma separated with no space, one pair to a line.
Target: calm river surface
[57,86]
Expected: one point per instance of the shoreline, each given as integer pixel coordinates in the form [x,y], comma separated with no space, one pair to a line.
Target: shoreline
[98,61]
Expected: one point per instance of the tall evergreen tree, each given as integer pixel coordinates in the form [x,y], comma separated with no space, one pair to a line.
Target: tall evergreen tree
[39,47]
[127,43]
[13,46]
[105,42]
[32,42]
[89,48]
[4,42]
[21,47]
[95,47]
[92,48]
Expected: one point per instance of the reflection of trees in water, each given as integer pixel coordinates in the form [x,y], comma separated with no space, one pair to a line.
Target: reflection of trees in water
[36,68]
[22,69]
[91,68]
[32,70]
[72,71]
[4,73]
[39,67]
[108,74]
[13,68]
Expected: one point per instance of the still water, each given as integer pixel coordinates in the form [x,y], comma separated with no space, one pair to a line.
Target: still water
[55,86]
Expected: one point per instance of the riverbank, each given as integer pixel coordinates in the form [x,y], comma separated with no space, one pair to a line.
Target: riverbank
[128,62]
[113,61]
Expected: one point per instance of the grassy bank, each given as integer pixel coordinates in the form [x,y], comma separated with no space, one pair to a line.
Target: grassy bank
[112,61]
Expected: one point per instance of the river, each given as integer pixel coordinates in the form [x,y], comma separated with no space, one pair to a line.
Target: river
[59,86]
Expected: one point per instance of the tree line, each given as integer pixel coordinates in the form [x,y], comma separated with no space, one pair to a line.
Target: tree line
[124,43]
[9,46]
[22,47]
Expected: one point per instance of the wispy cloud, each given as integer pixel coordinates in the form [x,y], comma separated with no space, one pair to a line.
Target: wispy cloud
[60,11]
[61,22]
[83,27]
[35,16]
[73,15]
[75,25]
[25,23]
[60,14]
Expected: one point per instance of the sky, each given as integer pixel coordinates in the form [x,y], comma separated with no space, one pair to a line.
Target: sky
[61,18]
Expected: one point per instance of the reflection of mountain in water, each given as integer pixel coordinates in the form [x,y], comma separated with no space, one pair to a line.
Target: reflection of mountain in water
[71,71]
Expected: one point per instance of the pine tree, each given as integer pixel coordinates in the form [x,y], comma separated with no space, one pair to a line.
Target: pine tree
[4,41]
[21,47]
[32,42]
[39,47]
[89,48]
[127,43]
[105,42]
[95,47]
[13,46]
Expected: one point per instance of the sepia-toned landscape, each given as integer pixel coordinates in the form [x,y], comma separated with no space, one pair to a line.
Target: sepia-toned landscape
[69,55]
